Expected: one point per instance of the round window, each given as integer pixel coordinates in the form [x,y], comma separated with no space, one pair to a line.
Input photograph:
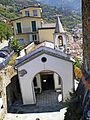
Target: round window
[44,59]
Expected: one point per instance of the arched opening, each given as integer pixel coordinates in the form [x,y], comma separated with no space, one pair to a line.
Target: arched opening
[48,88]
[60,40]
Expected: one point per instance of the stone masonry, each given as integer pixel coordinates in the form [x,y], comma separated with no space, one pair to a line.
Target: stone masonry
[5,78]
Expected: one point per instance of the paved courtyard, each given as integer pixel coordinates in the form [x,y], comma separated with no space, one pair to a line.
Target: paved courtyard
[47,101]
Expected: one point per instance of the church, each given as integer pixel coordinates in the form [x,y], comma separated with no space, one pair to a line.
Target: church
[44,64]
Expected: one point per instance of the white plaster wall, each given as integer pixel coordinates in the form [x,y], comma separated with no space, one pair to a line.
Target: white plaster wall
[56,80]
[38,78]
[56,41]
[30,38]
[64,40]
[62,67]
[27,89]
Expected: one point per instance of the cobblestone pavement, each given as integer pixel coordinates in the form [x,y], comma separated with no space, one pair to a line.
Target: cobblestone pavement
[47,101]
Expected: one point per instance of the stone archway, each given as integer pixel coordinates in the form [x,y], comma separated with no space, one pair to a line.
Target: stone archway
[48,81]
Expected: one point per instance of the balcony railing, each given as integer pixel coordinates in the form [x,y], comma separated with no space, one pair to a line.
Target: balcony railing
[25,30]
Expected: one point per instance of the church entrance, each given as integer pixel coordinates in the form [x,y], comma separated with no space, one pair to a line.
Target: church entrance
[47,82]
[48,90]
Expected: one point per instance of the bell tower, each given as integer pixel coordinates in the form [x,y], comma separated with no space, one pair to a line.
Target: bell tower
[59,36]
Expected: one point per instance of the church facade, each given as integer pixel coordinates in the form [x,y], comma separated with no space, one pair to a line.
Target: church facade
[46,65]
[44,69]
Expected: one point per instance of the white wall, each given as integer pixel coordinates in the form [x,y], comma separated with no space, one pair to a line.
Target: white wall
[56,81]
[30,37]
[38,78]
[62,67]
[64,40]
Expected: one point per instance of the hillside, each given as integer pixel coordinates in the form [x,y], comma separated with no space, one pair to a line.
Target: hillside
[70,5]
[69,18]
[7,12]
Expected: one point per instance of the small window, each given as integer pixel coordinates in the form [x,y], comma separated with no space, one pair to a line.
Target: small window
[35,13]
[27,13]
[44,59]
[35,82]
[33,26]
[19,29]
[60,40]
[34,37]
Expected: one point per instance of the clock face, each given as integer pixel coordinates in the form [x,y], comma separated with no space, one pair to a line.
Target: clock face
[60,40]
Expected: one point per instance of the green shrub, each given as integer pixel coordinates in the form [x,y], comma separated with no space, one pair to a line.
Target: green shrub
[15,45]
[12,61]
[74,111]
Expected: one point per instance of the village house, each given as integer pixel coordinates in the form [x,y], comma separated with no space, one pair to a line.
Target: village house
[30,27]
[44,64]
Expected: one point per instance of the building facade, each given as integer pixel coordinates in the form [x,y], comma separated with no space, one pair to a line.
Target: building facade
[29,26]
[43,66]
[44,69]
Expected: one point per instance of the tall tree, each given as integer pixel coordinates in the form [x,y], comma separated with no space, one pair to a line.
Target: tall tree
[86,33]
[5,31]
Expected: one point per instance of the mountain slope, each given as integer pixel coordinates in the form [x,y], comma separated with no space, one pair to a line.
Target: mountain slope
[65,4]
[69,17]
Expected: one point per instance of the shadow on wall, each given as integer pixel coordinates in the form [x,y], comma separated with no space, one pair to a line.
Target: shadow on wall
[13,92]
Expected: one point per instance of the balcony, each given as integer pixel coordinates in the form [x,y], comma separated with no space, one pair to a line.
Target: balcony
[24,30]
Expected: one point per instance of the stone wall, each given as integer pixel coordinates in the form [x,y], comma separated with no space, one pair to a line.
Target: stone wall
[5,79]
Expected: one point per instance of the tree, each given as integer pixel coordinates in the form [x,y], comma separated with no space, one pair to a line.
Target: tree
[77,69]
[78,72]
[15,45]
[5,31]
[74,111]
[5,2]
[8,31]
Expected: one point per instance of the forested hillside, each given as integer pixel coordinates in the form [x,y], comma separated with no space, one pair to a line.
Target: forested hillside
[70,5]
[69,18]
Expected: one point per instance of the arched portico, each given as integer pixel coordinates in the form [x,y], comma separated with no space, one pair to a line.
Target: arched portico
[60,66]
[48,81]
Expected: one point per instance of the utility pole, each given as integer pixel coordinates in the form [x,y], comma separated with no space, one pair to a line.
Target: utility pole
[86,33]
